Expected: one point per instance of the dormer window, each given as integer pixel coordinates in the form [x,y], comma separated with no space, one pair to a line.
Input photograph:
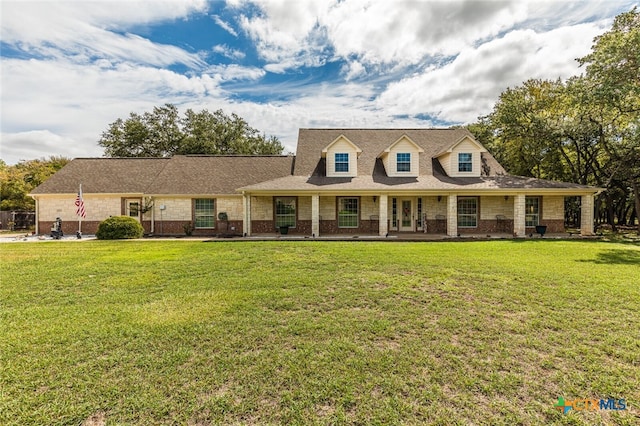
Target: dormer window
[403,162]
[342,162]
[465,162]
[401,158]
[341,158]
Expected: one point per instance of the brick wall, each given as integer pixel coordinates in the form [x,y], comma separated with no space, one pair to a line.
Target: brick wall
[232,206]
[261,209]
[552,208]
[490,207]
[97,208]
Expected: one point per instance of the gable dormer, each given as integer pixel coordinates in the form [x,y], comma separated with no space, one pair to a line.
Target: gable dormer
[341,158]
[463,158]
[402,158]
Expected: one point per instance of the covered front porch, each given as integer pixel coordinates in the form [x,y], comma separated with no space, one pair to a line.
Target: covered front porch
[411,215]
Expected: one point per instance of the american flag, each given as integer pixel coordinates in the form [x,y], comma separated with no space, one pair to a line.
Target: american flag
[80,211]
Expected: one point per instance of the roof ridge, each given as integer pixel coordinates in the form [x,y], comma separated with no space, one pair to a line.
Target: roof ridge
[381,128]
[122,158]
[232,155]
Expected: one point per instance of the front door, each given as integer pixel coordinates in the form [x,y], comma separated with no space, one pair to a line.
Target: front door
[132,207]
[406,216]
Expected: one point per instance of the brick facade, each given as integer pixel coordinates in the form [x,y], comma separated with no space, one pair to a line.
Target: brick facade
[171,214]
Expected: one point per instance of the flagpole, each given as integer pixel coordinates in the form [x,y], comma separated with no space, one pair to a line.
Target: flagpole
[80,216]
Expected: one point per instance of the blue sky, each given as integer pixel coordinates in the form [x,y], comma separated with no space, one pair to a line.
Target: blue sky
[70,68]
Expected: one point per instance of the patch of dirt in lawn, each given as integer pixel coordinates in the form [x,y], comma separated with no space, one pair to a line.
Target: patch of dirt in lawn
[96,419]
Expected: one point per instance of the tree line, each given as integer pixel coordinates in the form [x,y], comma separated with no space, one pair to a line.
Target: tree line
[584,130]
[18,180]
[163,133]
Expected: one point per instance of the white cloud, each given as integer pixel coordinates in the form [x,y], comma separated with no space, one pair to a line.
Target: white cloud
[82,30]
[374,31]
[469,86]
[407,31]
[228,52]
[234,72]
[224,25]
[353,69]
[401,32]
[287,33]
[41,144]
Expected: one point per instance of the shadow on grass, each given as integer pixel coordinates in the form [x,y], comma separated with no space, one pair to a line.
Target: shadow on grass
[621,257]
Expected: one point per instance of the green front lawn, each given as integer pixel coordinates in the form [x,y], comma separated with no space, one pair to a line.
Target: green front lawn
[186,332]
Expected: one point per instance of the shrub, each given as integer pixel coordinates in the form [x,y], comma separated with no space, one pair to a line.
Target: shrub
[118,228]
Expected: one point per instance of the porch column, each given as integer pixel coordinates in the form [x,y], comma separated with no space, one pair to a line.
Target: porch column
[383,226]
[452,215]
[519,216]
[246,219]
[315,215]
[586,215]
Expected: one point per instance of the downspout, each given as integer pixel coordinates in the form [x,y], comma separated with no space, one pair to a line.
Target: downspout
[153,218]
[37,215]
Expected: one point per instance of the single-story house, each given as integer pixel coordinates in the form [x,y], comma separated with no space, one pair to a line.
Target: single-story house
[341,181]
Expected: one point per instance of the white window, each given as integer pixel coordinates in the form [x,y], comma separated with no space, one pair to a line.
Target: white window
[467,212]
[342,162]
[133,208]
[204,213]
[347,212]
[285,212]
[403,162]
[465,162]
[532,211]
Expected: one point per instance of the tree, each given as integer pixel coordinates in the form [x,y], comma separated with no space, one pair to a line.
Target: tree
[584,130]
[163,133]
[613,79]
[524,129]
[17,181]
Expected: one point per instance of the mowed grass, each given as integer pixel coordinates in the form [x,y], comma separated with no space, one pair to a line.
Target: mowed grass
[188,332]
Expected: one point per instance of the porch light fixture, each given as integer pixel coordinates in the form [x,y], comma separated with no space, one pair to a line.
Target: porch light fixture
[506,197]
[439,198]
[375,198]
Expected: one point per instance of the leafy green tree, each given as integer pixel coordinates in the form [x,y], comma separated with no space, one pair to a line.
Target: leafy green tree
[163,133]
[524,127]
[584,130]
[17,181]
[613,82]
[613,66]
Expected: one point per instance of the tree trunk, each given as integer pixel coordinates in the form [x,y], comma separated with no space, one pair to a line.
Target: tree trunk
[611,213]
[636,193]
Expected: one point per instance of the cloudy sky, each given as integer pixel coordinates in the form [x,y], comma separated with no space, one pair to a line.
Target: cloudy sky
[69,68]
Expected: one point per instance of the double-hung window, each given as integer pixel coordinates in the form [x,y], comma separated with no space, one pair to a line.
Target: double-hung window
[532,211]
[204,213]
[467,212]
[285,212]
[403,162]
[348,212]
[342,162]
[465,162]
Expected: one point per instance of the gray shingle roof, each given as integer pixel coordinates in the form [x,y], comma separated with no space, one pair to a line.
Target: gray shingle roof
[194,174]
[311,142]
[103,175]
[426,183]
[176,175]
